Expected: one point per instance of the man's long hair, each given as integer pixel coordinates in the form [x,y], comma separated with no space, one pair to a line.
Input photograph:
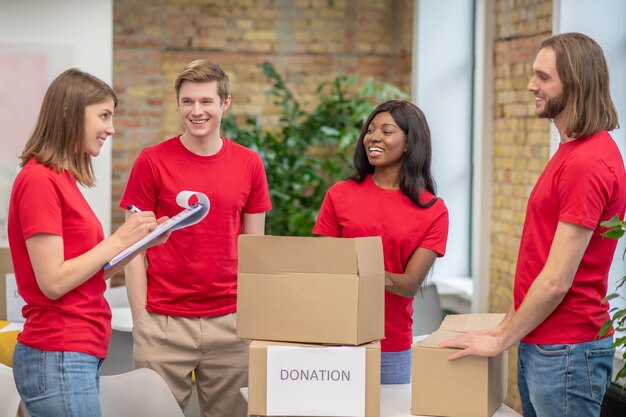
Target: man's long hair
[583,71]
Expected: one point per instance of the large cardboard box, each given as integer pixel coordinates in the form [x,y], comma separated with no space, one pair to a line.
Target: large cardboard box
[257,376]
[468,387]
[311,289]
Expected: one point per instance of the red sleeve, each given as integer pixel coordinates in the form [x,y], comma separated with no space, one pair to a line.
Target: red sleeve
[141,189]
[584,188]
[40,205]
[437,235]
[326,224]
[259,198]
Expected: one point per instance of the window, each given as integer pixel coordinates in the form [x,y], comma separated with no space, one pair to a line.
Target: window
[444,88]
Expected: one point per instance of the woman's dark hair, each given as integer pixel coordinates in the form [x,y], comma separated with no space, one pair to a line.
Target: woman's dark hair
[415,173]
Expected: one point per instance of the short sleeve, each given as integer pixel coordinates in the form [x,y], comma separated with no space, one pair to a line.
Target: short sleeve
[259,198]
[39,205]
[327,224]
[584,189]
[141,186]
[436,237]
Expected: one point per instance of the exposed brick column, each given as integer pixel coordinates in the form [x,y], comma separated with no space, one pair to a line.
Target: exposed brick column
[138,38]
[521,145]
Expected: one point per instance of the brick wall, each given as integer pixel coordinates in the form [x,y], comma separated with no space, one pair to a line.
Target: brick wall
[521,144]
[308,41]
[314,40]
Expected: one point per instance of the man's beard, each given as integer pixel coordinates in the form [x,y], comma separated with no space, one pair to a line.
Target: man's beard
[553,107]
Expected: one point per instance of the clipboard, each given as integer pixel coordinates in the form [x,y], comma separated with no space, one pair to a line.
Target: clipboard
[189,216]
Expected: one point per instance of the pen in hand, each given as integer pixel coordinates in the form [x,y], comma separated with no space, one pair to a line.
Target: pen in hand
[133,209]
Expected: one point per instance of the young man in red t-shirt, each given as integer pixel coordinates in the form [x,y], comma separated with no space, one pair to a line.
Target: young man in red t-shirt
[563,262]
[184,303]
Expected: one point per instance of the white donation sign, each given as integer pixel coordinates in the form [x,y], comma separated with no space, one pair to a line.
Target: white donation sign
[309,381]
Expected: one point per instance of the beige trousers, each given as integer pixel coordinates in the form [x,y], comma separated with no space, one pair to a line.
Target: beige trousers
[176,346]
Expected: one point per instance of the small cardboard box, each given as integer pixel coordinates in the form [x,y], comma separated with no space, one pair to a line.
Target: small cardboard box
[311,289]
[257,376]
[468,387]
[11,302]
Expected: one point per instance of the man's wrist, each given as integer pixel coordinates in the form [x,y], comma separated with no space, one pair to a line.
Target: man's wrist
[504,342]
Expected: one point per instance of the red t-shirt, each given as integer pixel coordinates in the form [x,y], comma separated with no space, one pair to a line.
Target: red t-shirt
[351,209]
[584,183]
[194,274]
[43,201]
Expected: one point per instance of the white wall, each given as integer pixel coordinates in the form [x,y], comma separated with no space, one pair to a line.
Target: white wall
[443,88]
[68,33]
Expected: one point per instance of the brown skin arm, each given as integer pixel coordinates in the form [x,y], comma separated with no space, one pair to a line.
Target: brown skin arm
[407,284]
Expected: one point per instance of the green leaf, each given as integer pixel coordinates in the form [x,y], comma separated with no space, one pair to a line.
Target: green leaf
[605,328]
[612,222]
[609,297]
[329,131]
[613,233]
[312,146]
[619,314]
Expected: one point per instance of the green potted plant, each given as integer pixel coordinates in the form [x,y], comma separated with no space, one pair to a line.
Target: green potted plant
[616,229]
[312,146]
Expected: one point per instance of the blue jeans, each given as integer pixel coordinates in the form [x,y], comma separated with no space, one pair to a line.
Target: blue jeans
[57,384]
[395,367]
[564,380]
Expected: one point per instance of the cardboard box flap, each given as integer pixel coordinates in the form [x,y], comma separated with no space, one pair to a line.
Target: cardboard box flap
[456,324]
[437,337]
[266,343]
[470,322]
[370,255]
[324,255]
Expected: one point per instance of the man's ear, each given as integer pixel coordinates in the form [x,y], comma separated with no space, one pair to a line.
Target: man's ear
[227,102]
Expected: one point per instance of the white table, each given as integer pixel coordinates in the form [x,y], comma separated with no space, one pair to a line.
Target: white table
[121,319]
[13,326]
[395,401]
